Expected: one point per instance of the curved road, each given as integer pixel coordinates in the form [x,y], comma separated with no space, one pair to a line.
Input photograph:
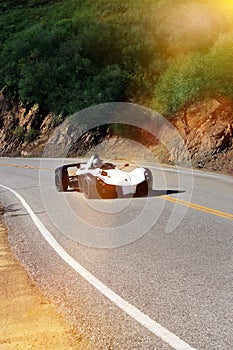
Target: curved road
[140,273]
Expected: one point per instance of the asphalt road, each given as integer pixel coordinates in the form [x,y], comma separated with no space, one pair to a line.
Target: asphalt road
[135,273]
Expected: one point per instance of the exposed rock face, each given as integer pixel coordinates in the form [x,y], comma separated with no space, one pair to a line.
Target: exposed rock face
[207,130]
[13,115]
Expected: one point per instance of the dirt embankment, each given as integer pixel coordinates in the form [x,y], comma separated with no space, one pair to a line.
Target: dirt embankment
[206,128]
[27,319]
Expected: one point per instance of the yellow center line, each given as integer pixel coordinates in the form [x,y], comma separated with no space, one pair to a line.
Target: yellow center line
[199,207]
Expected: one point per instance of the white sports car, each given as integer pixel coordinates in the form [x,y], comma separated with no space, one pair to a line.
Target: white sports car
[104,180]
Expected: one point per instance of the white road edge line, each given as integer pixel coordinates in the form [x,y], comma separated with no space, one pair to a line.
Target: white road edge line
[161,332]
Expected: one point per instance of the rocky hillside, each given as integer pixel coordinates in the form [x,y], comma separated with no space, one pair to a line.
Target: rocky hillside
[206,127]
[23,131]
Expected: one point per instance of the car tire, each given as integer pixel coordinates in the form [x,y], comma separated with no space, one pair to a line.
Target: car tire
[142,189]
[149,178]
[88,188]
[61,180]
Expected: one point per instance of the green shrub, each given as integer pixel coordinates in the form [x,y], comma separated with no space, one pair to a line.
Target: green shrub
[30,135]
[220,66]
[57,120]
[186,79]
[196,76]
[18,133]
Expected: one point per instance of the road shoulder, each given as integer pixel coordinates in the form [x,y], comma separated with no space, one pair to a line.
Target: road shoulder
[27,319]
